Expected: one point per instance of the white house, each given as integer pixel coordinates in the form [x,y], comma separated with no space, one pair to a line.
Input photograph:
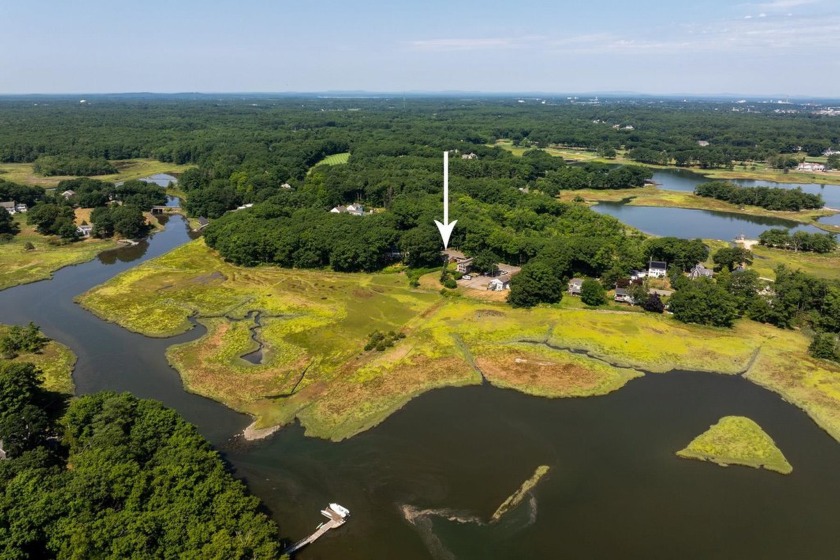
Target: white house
[808,167]
[8,207]
[499,284]
[286,186]
[575,286]
[84,230]
[352,209]
[68,193]
[469,156]
[657,269]
[21,208]
[464,265]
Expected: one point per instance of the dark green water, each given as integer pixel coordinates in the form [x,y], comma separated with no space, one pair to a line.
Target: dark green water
[615,489]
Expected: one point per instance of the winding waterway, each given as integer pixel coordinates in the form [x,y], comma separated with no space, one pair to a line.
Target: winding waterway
[615,489]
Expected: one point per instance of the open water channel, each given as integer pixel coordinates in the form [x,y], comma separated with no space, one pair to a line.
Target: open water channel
[705,224]
[422,483]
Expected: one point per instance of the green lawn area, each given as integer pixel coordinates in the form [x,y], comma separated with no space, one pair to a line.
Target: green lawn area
[335,159]
[736,440]
[22,173]
[19,266]
[316,324]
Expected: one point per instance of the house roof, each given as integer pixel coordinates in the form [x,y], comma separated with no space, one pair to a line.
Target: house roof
[576,281]
[621,291]
[659,264]
[7,204]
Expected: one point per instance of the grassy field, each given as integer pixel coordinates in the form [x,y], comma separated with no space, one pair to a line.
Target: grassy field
[316,323]
[55,360]
[19,266]
[736,440]
[653,196]
[760,173]
[22,173]
[335,159]
[766,259]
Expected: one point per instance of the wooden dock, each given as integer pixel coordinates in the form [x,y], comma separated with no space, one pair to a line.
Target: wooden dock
[335,519]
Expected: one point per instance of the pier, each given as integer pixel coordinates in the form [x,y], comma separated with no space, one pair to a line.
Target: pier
[336,517]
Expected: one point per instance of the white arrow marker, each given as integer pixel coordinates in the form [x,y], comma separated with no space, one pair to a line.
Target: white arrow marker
[445,228]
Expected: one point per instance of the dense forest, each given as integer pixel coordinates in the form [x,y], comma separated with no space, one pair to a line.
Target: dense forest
[113,476]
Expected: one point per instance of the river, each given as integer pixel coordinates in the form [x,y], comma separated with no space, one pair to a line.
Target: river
[615,489]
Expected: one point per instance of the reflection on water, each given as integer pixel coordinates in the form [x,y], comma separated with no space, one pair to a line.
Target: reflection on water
[684,180]
[124,254]
[689,224]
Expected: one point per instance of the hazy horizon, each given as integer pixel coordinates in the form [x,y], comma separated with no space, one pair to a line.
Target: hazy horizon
[774,48]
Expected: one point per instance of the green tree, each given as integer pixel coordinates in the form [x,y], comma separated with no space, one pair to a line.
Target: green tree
[732,257]
[704,302]
[592,293]
[7,223]
[824,346]
[535,284]
[486,262]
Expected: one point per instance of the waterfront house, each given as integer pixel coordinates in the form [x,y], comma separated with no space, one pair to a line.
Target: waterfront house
[575,286]
[8,207]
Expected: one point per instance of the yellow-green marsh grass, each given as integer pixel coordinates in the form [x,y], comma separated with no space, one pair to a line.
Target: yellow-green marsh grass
[19,266]
[736,440]
[318,322]
[55,360]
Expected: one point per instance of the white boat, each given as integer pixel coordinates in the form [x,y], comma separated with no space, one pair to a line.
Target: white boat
[340,510]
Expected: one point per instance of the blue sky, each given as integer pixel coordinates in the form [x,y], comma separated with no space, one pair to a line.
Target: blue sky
[773,47]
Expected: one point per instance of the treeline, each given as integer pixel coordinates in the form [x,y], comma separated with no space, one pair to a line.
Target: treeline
[780,238]
[114,476]
[286,136]
[594,176]
[50,166]
[771,198]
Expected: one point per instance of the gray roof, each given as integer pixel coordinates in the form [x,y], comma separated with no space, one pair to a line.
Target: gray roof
[7,204]
[659,264]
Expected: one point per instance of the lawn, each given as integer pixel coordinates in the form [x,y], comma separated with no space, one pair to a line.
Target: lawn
[736,440]
[22,173]
[316,324]
[334,159]
[19,266]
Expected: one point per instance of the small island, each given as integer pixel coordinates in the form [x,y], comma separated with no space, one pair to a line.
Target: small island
[736,440]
